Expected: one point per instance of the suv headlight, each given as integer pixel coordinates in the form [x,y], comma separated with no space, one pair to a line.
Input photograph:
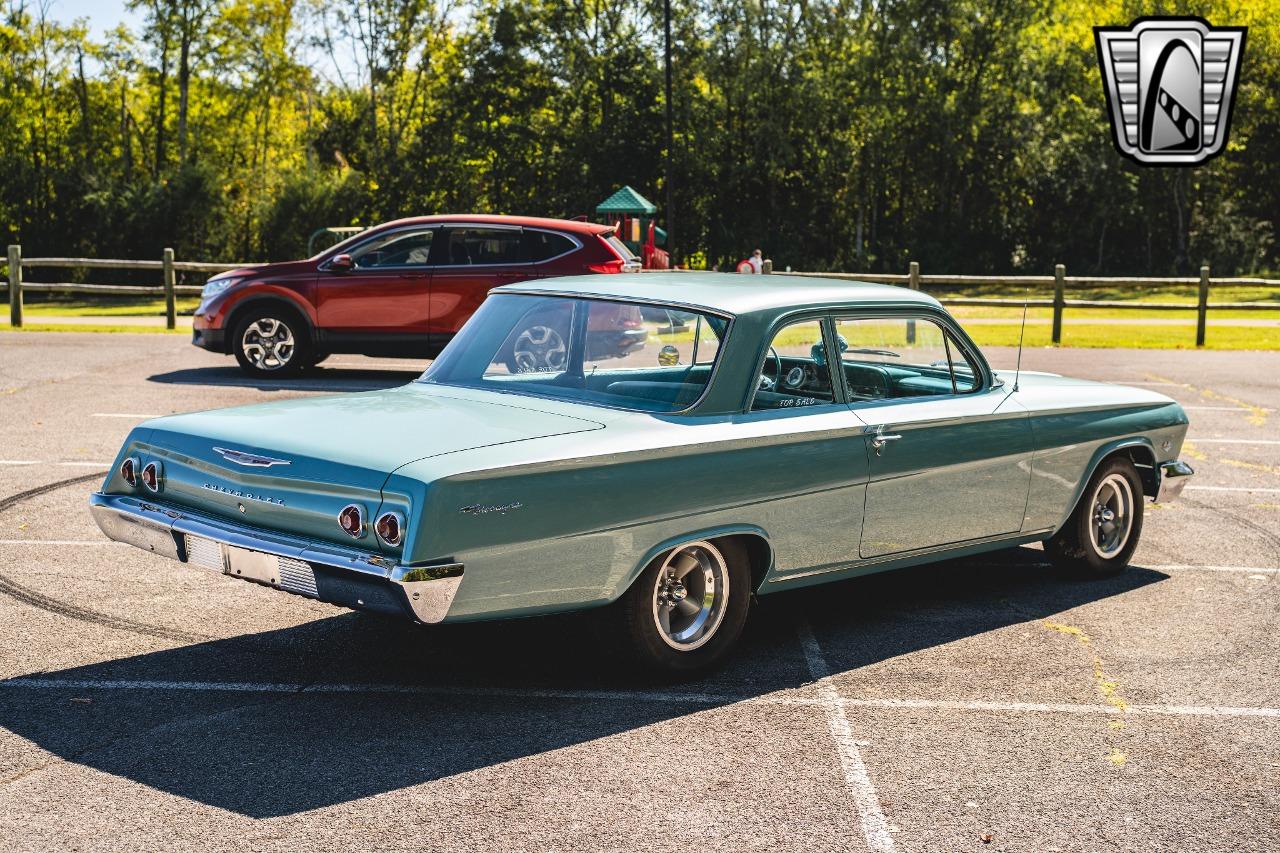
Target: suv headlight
[214,286]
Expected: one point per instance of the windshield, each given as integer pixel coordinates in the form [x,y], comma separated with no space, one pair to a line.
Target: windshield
[622,354]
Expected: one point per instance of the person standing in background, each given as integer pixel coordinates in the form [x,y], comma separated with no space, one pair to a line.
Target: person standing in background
[756,261]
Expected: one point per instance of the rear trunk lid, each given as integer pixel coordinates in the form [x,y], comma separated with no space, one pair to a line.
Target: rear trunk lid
[293,465]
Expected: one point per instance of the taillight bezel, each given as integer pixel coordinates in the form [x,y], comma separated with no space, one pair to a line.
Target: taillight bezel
[130,470]
[359,532]
[156,482]
[398,520]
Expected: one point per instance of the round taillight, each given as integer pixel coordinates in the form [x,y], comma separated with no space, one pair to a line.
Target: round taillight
[351,520]
[152,476]
[129,471]
[389,527]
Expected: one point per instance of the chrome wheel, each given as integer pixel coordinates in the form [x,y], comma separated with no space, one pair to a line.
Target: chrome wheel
[268,344]
[690,592]
[1112,518]
[539,349]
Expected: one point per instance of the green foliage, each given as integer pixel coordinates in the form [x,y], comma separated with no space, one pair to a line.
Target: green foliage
[968,135]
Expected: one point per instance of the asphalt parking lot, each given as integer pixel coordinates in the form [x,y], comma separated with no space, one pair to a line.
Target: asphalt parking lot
[983,704]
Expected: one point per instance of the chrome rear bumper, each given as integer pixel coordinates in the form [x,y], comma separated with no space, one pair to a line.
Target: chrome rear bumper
[1174,476]
[317,570]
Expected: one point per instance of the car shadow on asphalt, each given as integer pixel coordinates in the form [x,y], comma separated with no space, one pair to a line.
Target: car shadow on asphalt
[334,379]
[390,705]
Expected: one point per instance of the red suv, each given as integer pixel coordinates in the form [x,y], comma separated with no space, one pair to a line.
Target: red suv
[401,289]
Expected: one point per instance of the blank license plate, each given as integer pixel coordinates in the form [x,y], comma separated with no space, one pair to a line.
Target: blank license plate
[252,565]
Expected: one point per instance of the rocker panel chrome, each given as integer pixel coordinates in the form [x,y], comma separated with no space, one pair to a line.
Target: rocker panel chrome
[428,590]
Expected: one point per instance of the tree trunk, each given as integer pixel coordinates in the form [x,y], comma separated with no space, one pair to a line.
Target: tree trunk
[160,103]
[126,140]
[184,86]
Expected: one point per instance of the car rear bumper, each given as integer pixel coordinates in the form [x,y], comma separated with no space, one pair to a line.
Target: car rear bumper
[318,570]
[1174,477]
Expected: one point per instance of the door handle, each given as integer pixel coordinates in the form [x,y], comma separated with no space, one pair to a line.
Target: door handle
[880,439]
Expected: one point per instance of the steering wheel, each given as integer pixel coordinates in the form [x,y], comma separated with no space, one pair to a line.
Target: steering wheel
[767,384]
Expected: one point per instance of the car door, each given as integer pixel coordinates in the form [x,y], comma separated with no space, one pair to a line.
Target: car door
[808,454]
[386,290]
[467,262]
[948,454]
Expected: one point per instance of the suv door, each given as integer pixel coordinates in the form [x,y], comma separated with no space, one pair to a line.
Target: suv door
[387,290]
[949,456]
[467,262]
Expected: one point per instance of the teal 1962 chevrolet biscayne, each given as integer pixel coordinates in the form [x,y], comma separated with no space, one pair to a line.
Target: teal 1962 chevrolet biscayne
[770,433]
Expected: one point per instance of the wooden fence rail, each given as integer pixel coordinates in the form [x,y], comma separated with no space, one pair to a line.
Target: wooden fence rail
[167,266]
[913,279]
[1060,281]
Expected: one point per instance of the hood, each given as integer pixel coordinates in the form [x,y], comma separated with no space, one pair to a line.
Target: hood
[1052,391]
[294,464]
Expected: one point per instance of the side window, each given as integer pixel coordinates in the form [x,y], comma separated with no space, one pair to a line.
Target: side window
[474,246]
[411,247]
[796,370]
[544,245]
[892,357]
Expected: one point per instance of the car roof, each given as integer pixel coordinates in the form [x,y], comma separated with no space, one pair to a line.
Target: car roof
[575,226]
[728,293]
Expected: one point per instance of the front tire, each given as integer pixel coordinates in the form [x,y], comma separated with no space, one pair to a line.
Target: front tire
[271,341]
[686,610]
[1102,533]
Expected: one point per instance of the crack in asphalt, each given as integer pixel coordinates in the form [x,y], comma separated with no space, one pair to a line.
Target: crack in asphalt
[15,590]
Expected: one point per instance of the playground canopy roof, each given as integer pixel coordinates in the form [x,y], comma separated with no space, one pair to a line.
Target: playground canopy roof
[627,200]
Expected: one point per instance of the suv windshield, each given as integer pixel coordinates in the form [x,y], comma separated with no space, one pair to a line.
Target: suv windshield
[623,354]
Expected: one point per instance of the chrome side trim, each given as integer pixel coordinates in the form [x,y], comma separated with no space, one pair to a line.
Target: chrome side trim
[907,555]
[1173,479]
[428,590]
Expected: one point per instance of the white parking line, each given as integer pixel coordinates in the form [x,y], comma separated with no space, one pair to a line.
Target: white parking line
[1231,489]
[68,464]
[874,825]
[75,542]
[1244,570]
[1062,708]
[827,699]
[1231,441]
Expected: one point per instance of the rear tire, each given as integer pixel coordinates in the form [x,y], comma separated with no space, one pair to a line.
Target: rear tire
[685,612]
[271,340]
[1102,533]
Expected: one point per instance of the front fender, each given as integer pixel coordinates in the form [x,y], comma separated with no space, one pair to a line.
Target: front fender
[1129,443]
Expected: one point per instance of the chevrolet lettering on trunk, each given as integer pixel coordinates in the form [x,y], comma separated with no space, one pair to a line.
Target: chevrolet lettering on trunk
[248,496]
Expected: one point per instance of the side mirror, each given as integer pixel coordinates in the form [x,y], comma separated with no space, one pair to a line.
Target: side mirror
[341,263]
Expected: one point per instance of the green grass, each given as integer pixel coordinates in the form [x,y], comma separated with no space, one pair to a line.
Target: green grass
[1129,337]
[115,306]
[95,327]
[42,312]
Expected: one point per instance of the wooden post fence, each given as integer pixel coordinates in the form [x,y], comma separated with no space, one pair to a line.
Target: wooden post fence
[1059,299]
[170,304]
[1202,305]
[913,282]
[15,287]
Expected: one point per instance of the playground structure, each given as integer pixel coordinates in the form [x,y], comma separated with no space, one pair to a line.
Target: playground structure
[634,217]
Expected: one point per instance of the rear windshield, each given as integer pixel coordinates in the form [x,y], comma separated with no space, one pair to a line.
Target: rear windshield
[621,248]
[621,354]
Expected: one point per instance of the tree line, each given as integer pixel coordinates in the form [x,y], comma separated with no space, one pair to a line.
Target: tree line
[835,134]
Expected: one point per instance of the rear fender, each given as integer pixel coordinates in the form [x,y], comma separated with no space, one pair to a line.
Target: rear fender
[718,532]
